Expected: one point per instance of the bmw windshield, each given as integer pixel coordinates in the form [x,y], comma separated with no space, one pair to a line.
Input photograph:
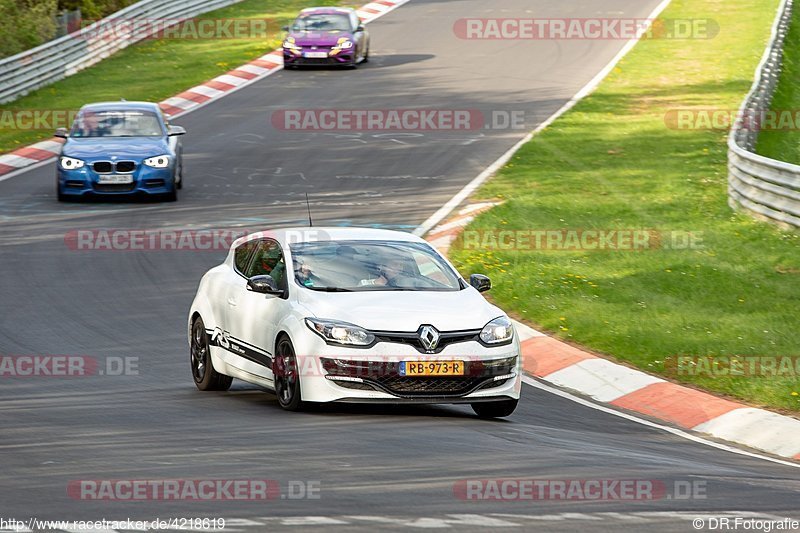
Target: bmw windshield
[355,266]
[122,123]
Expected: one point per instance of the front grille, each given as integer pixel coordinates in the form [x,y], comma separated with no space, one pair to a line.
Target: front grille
[446,338]
[319,61]
[455,386]
[114,187]
[125,166]
[385,376]
[107,167]
[102,167]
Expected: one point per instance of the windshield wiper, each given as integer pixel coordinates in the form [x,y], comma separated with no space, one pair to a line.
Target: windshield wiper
[330,289]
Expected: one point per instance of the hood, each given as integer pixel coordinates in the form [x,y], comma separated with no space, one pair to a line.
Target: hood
[319,38]
[403,311]
[121,147]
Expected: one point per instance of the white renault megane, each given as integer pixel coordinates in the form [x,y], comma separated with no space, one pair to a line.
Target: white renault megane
[352,315]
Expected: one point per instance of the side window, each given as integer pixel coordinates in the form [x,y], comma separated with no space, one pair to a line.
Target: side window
[268,259]
[242,255]
[354,21]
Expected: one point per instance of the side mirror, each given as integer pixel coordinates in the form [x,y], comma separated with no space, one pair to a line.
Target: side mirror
[360,27]
[63,133]
[480,282]
[285,28]
[176,130]
[264,284]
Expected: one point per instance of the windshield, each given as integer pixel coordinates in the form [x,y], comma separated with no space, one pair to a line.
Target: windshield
[371,266]
[322,22]
[117,124]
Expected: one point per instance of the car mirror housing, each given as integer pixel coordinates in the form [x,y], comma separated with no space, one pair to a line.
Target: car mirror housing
[264,284]
[176,130]
[480,282]
[61,133]
[360,27]
[285,28]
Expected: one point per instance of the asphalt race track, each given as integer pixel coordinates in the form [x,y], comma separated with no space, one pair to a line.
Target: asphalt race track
[378,467]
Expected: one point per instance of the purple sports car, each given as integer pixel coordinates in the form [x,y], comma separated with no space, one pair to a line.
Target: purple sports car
[326,36]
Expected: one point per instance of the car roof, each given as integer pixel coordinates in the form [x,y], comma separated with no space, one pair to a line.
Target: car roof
[122,105]
[327,11]
[314,234]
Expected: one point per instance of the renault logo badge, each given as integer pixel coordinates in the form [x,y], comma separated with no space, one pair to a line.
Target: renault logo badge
[429,337]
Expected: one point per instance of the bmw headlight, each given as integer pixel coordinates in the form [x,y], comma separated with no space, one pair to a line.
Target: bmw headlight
[340,332]
[70,163]
[159,161]
[498,331]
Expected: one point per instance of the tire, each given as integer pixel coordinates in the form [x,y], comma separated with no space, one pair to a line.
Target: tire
[172,196]
[203,373]
[179,182]
[287,378]
[61,196]
[497,409]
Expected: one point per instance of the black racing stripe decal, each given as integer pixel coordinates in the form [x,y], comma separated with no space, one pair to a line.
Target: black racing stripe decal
[226,341]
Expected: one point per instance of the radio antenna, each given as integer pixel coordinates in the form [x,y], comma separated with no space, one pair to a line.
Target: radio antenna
[308,206]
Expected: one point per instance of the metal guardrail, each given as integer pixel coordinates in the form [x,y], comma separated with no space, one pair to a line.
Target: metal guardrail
[765,188]
[67,55]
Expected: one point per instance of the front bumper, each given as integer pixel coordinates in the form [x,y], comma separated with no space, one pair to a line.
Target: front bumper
[336,374]
[293,58]
[145,180]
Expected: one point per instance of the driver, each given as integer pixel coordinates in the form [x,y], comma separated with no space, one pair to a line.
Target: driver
[305,276]
[392,274]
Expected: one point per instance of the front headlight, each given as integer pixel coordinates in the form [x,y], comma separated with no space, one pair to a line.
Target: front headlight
[345,45]
[290,43]
[159,161]
[340,332]
[70,163]
[498,331]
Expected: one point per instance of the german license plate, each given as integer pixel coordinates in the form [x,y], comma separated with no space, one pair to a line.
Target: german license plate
[431,368]
[114,179]
[316,55]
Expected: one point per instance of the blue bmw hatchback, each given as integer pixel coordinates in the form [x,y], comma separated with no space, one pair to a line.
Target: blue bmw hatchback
[120,148]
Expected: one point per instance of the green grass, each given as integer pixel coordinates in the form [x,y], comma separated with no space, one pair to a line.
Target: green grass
[784,144]
[612,163]
[157,69]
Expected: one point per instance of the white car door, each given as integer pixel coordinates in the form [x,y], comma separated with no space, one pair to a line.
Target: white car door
[253,317]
